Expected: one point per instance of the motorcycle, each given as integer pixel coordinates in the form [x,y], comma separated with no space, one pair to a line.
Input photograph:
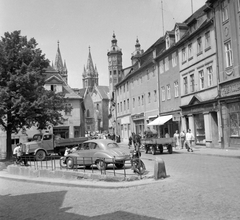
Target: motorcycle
[137,164]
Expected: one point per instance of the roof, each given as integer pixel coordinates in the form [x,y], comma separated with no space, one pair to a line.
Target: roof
[104,91]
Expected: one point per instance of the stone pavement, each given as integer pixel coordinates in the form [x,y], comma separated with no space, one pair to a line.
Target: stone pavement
[149,162]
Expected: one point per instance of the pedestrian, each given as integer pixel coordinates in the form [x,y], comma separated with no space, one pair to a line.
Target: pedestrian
[134,139]
[176,139]
[182,138]
[138,140]
[189,139]
[129,142]
[17,152]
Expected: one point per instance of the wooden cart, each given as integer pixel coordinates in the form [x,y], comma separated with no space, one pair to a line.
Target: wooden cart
[158,144]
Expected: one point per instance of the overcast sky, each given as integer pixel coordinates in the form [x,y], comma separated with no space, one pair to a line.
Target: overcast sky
[78,24]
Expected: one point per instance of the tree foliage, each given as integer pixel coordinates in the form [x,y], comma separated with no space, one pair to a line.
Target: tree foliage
[24,100]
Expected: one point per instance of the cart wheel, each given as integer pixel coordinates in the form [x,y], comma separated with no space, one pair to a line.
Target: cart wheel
[170,149]
[161,149]
[146,149]
[153,150]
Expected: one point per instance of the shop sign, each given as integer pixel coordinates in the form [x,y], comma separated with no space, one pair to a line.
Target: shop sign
[176,117]
[231,89]
[138,116]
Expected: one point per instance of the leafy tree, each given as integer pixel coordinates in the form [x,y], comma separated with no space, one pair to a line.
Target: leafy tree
[24,100]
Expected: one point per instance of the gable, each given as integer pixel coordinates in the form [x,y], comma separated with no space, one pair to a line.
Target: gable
[195,100]
[53,80]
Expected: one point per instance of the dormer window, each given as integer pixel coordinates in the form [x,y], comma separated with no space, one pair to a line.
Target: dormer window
[177,35]
[167,41]
[54,88]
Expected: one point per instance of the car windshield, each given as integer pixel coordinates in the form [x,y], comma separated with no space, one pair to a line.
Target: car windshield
[112,145]
[37,137]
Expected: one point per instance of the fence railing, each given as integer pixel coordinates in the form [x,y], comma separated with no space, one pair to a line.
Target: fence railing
[52,162]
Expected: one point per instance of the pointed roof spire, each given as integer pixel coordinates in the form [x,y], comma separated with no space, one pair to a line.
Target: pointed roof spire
[96,72]
[90,67]
[58,60]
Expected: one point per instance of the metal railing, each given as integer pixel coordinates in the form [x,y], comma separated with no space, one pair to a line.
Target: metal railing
[52,162]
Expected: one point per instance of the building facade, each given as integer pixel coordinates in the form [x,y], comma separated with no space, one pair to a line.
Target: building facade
[227,23]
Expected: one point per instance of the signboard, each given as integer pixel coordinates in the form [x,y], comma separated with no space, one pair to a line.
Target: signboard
[230,89]
[176,117]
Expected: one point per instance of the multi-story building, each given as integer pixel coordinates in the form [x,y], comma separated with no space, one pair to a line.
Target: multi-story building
[227,23]
[198,74]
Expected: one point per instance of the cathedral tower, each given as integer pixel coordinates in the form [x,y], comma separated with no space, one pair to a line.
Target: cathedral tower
[59,66]
[114,65]
[90,74]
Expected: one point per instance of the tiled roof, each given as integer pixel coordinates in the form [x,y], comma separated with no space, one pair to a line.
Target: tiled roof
[104,91]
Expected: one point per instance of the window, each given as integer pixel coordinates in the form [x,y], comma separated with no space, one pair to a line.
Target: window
[139,101]
[224,11]
[142,100]
[192,83]
[114,72]
[177,35]
[207,40]
[184,55]
[161,67]
[185,85]
[155,95]
[166,64]
[128,104]
[228,54]
[121,106]
[190,51]
[168,92]
[234,113]
[118,108]
[175,89]
[201,79]
[68,108]
[199,45]
[210,75]
[167,42]
[124,105]
[54,88]
[174,59]
[149,97]
[133,102]
[88,113]
[163,93]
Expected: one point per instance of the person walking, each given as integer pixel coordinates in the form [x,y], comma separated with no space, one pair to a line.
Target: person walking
[129,142]
[182,138]
[189,139]
[176,139]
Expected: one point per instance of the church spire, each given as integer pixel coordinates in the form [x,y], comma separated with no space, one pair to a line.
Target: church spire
[58,60]
[90,68]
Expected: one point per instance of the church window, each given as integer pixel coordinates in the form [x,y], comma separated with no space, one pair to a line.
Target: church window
[114,72]
[88,113]
[110,73]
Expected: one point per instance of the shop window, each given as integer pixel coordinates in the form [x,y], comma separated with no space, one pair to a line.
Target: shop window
[200,129]
[234,113]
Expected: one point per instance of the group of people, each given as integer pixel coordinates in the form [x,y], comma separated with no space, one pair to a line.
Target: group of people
[135,139]
[184,140]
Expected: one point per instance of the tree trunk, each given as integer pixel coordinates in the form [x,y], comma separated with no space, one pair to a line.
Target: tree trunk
[9,144]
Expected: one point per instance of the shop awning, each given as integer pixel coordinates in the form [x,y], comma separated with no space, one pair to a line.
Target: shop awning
[161,120]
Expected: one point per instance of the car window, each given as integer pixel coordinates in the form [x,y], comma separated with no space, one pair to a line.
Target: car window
[92,145]
[86,146]
[47,137]
[112,145]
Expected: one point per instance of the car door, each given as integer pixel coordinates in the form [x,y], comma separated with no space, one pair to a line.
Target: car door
[84,155]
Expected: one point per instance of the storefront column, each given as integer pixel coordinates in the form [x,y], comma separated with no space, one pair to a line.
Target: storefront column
[191,123]
[220,134]
[184,125]
[208,129]
[225,124]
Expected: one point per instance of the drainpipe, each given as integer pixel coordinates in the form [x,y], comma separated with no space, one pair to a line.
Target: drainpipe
[218,79]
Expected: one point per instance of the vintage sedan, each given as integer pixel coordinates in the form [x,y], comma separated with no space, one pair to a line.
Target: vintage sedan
[99,152]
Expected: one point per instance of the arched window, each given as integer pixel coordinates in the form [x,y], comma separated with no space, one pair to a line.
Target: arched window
[88,113]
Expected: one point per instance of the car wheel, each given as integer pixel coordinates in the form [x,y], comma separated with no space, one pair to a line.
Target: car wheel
[101,165]
[138,166]
[70,163]
[120,165]
[40,155]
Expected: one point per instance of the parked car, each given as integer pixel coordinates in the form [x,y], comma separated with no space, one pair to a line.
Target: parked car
[100,152]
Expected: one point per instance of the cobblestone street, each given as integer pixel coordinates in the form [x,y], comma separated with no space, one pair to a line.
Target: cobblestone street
[198,187]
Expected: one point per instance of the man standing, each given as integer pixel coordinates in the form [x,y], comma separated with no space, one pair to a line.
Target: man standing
[182,139]
[189,139]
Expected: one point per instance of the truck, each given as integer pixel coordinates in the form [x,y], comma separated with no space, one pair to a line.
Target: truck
[154,144]
[43,145]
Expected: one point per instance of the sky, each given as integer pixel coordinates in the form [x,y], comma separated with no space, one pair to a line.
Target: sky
[80,24]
